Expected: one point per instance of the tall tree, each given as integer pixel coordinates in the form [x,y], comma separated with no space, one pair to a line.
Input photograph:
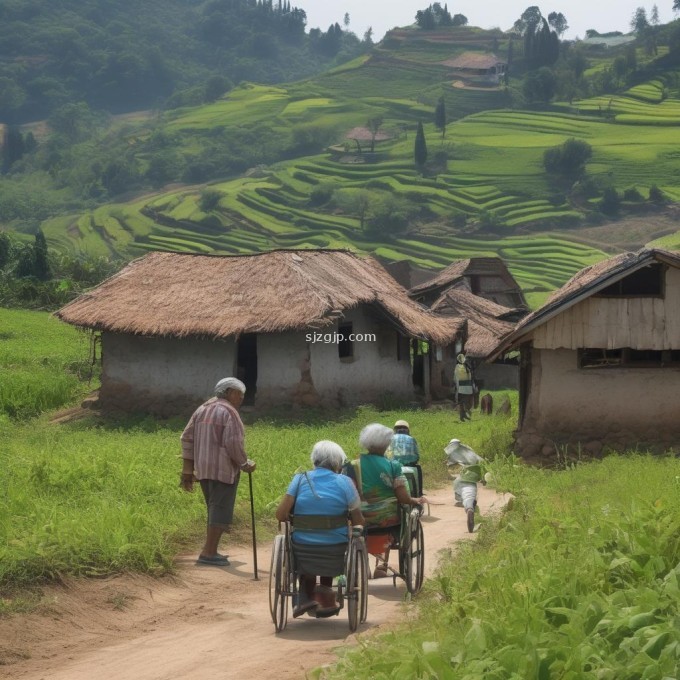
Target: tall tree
[639,21]
[41,265]
[559,22]
[373,124]
[12,147]
[420,148]
[440,116]
[529,20]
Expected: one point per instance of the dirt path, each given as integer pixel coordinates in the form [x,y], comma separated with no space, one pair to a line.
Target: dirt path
[205,622]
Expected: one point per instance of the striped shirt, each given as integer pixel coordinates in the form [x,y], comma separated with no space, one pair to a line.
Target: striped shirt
[213,439]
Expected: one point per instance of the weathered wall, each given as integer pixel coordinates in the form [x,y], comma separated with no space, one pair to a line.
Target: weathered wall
[636,322]
[371,373]
[168,376]
[161,375]
[498,376]
[616,407]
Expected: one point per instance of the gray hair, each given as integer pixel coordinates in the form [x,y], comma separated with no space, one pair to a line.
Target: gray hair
[229,384]
[376,437]
[327,454]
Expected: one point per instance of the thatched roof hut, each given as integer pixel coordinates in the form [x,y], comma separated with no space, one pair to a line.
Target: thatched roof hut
[309,327]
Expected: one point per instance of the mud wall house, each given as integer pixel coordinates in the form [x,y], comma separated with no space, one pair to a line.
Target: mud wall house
[482,291]
[301,327]
[477,68]
[600,361]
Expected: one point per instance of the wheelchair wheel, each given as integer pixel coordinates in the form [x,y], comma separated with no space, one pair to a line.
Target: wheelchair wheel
[278,583]
[414,553]
[357,583]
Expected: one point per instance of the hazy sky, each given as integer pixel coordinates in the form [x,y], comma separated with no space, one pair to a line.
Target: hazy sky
[381,15]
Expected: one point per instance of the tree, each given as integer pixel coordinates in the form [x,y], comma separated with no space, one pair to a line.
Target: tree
[568,159]
[459,20]
[368,36]
[529,20]
[440,116]
[420,148]
[373,124]
[539,86]
[345,20]
[654,16]
[13,147]
[215,87]
[558,21]
[41,265]
[610,202]
[639,21]
[354,201]
[5,249]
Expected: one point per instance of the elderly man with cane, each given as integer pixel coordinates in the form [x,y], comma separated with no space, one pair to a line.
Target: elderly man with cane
[213,453]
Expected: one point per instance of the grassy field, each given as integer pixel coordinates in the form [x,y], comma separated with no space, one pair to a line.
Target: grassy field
[579,580]
[44,363]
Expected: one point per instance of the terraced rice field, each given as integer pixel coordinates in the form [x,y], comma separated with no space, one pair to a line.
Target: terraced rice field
[494,170]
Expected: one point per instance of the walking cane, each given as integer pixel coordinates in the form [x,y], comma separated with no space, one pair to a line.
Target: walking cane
[252,522]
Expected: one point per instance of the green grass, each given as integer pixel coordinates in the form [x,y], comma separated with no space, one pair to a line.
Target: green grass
[94,498]
[42,363]
[581,579]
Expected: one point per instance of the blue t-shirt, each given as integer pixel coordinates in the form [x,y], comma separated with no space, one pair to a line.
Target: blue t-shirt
[322,492]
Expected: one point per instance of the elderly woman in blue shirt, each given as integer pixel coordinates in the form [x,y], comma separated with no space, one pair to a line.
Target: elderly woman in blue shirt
[320,502]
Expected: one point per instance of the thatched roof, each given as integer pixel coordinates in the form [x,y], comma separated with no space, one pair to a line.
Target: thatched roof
[493,278]
[473,60]
[582,285]
[179,295]
[363,134]
[487,323]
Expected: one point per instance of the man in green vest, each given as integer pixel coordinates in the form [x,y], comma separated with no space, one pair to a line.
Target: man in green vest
[465,387]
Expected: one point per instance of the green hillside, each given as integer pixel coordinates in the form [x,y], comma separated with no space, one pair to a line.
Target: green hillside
[290,177]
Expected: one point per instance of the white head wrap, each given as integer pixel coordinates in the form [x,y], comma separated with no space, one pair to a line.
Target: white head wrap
[229,384]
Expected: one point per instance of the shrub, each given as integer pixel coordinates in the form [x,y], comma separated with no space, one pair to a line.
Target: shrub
[209,200]
[321,193]
[610,202]
[632,194]
[656,195]
[568,159]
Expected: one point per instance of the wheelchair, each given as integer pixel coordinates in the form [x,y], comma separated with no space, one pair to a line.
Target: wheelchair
[409,541]
[414,477]
[351,586]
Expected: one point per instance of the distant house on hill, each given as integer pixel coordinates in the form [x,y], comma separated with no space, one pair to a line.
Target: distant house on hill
[363,135]
[477,68]
[600,361]
[299,327]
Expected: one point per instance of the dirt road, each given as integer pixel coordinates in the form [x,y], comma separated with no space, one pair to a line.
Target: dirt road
[206,622]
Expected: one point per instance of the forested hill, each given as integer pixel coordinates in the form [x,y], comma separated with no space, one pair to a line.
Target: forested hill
[123,55]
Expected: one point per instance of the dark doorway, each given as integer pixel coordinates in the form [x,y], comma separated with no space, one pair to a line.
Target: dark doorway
[246,364]
[418,366]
